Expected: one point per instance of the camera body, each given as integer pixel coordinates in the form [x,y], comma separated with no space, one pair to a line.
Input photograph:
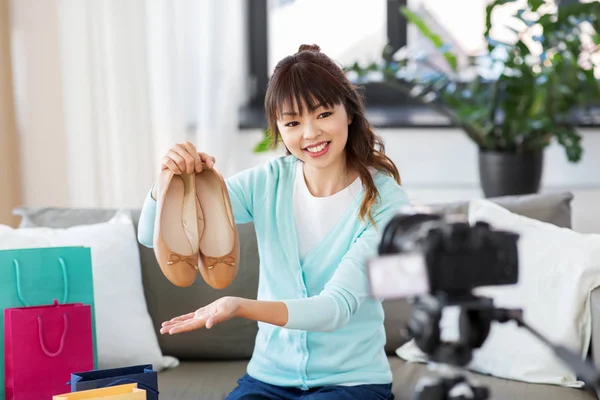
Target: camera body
[437,261]
[453,256]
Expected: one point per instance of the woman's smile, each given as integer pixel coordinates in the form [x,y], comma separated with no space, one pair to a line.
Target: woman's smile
[317,149]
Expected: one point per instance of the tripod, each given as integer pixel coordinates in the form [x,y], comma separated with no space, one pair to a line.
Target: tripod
[448,359]
[450,384]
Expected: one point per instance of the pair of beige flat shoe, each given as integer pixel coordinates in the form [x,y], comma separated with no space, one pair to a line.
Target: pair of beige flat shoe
[194,229]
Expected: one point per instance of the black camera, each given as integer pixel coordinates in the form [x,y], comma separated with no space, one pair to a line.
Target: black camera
[437,261]
[456,256]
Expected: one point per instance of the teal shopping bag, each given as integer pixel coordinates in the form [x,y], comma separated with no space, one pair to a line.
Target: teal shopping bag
[33,277]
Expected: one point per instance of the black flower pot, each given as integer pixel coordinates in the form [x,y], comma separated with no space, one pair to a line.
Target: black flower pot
[507,174]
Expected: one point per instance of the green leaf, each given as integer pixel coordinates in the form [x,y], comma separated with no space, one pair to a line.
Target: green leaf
[523,48]
[570,139]
[546,21]
[537,104]
[262,147]
[535,4]
[265,144]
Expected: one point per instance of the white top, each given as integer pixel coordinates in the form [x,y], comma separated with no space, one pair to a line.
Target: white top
[316,216]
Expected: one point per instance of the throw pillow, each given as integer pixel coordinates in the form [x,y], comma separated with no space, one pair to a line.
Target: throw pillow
[558,269]
[125,332]
[554,208]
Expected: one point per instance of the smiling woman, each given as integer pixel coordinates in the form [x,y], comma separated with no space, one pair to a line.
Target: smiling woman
[309,102]
[317,212]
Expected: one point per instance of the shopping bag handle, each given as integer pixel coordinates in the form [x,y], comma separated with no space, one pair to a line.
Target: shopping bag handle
[140,385]
[62,339]
[63,267]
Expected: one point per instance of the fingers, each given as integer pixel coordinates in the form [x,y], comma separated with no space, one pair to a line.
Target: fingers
[191,150]
[212,321]
[183,323]
[166,328]
[178,160]
[209,160]
[206,317]
[189,325]
[170,324]
[181,318]
[168,163]
[215,316]
[183,158]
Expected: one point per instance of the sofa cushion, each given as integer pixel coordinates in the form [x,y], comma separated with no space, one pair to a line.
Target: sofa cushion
[554,208]
[214,380]
[235,338]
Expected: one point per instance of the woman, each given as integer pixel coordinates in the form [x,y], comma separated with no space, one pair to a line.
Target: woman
[318,212]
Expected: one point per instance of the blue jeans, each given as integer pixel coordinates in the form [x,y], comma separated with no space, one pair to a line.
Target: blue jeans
[251,389]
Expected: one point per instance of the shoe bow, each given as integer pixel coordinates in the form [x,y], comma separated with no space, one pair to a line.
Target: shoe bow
[212,261]
[175,258]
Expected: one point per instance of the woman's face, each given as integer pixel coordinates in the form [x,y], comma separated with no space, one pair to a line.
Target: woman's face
[318,138]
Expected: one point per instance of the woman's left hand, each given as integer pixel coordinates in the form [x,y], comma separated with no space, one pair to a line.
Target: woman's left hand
[218,311]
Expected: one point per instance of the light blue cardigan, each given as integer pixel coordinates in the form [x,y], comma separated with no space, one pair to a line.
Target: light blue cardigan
[335,333]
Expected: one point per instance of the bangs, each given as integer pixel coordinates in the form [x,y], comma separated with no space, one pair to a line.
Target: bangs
[300,87]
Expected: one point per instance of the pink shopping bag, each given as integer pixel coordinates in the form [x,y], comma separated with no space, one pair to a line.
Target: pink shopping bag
[43,345]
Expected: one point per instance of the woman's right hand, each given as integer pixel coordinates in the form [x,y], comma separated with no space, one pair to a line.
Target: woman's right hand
[184,158]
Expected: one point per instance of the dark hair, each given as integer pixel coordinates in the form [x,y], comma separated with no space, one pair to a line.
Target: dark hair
[310,78]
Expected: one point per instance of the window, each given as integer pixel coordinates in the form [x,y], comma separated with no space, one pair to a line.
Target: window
[346,30]
[357,30]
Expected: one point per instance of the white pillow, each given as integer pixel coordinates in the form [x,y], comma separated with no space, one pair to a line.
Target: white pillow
[558,269]
[124,329]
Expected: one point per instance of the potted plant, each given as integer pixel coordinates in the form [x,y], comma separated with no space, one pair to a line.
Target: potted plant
[516,98]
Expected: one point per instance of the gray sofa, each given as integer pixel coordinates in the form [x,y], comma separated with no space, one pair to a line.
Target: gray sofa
[213,360]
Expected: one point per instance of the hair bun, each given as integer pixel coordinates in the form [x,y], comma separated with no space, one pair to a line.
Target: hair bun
[309,47]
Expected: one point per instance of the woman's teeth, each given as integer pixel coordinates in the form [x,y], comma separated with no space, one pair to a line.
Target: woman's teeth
[318,148]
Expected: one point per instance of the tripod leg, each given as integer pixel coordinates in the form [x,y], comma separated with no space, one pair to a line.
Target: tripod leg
[465,391]
[481,393]
[430,389]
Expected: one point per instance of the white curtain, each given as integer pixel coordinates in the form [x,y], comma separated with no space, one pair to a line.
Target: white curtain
[221,86]
[134,78]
